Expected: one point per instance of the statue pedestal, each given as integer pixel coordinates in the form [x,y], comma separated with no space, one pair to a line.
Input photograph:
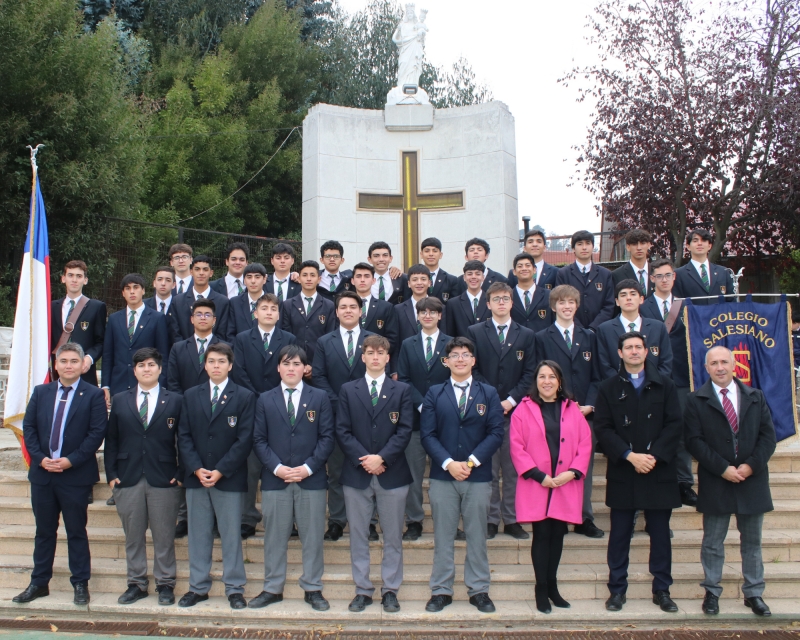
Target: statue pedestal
[408,117]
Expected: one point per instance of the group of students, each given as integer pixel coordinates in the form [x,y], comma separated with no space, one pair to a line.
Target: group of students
[334,387]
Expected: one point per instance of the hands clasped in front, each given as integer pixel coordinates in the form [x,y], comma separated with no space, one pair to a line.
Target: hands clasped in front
[373,464]
[292,474]
[559,481]
[737,474]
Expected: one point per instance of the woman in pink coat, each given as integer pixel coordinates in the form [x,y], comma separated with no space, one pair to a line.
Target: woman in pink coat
[551,446]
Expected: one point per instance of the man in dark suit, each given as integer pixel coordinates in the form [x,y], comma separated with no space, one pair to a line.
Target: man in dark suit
[128,330]
[545,274]
[293,437]
[531,306]
[201,272]
[638,424]
[308,316]
[141,460]
[337,360]
[386,287]
[478,249]
[629,298]
[443,285]
[243,307]
[87,327]
[64,425]
[462,429]
[232,283]
[594,282]
[420,364]
[180,259]
[419,280]
[332,280]
[280,281]
[638,243]
[469,307]
[215,436]
[377,316]
[729,431]
[506,359]
[373,428]
[162,299]
[699,277]
[575,350]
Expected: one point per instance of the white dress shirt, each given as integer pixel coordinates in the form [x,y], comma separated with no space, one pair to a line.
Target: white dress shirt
[186,282]
[204,293]
[388,289]
[457,393]
[636,271]
[669,300]
[570,328]
[581,266]
[281,283]
[233,288]
[733,395]
[221,386]
[379,380]
[305,302]
[326,277]
[521,293]
[205,344]
[433,276]
[159,302]
[269,336]
[472,298]
[697,266]
[298,391]
[152,400]
[137,315]
[343,332]
[65,309]
[625,323]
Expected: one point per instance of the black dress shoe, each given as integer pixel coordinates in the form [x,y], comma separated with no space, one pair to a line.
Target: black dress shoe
[81,593]
[688,496]
[31,592]
[482,602]
[460,535]
[438,602]
[132,594]
[515,530]
[248,531]
[190,598]
[413,532]
[615,602]
[491,531]
[390,603]
[662,599]
[265,599]
[237,601]
[316,600]
[111,502]
[589,529]
[359,603]
[710,604]
[295,533]
[334,531]
[181,529]
[757,604]
[166,595]
[373,533]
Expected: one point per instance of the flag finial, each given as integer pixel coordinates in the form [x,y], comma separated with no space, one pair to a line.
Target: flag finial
[34,151]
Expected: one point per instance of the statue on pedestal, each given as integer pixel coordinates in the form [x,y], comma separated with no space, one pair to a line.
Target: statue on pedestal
[409,36]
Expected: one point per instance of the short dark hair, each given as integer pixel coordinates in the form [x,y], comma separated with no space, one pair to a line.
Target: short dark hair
[704,234]
[204,303]
[582,236]
[635,236]
[497,287]
[431,303]
[523,256]
[380,244]
[255,267]
[474,265]
[349,294]
[169,270]
[132,278]
[628,336]
[147,353]
[628,283]
[561,394]
[269,298]
[241,246]
[479,241]
[308,264]
[332,245]
[282,247]
[364,266]
[419,269]
[457,342]
[661,262]
[76,264]
[201,258]
[180,248]
[431,242]
[375,341]
[222,348]
[534,232]
[292,351]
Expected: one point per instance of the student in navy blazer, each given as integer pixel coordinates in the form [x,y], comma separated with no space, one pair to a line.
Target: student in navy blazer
[308,315]
[689,281]
[535,244]
[232,283]
[164,288]
[333,280]
[419,280]
[128,330]
[63,469]
[537,315]
[201,272]
[242,312]
[379,256]
[377,316]
[186,362]
[462,311]
[478,249]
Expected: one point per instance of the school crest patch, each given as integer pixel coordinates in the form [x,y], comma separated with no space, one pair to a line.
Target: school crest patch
[322,319]
[380,324]
[170,422]
[311,415]
[85,324]
[347,286]
[394,416]
[232,420]
[445,297]
[481,409]
[548,286]
[520,355]
[542,313]
[598,286]
[654,351]
[723,289]
[587,355]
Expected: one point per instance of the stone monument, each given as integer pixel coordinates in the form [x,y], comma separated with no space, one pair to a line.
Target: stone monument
[408,171]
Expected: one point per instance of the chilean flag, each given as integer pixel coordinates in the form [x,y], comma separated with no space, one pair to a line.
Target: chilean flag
[30,351]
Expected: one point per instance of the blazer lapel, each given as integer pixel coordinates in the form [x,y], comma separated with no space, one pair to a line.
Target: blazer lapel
[387,389]
[205,402]
[558,338]
[50,403]
[357,350]
[409,311]
[371,311]
[475,394]
[338,347]
[280,406]
[508,343]
[301,410]
[576,346]
[441,343]
[131,400]
[363,394]
[225,398]
[538,294]
[144,319]
[163,397]
[76,403]
[493,337]
[696,274]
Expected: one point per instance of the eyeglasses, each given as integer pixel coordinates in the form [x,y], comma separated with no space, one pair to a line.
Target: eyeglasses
[203,316]
[331,256]
[428,314]
[664,276]
[181,257]
[460,356]
[501,299]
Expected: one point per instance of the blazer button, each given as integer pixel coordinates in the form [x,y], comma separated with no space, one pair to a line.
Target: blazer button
[560,462]
[292,435]
[374,426]
[562,439]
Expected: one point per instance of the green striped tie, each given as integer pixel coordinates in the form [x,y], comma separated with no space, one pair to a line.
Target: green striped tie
[381,289]
[280,289]
[475,308]
[239,285]
[202,350]
[308,308]
[502,332]
[214,399]
[462,401]
[527,300]
[374,393]
[290,406]
[666,309]
[252,310]
[631,326]
[266,341]
[332,288]
[350,348]
[131,325]
[704,276]
[567,339]
[429,352]
[641,282]
[363,311]
[143,409]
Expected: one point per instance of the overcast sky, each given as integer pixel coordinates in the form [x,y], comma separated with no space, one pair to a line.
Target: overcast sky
[520,54]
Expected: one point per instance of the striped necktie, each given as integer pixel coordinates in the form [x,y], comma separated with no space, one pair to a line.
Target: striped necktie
[308,306]
[363,311]
[180,288]
[131,325]
[350,348]
[332,288]
[163,308]
[527,300]
[239,285]
[381,289]
[280,289]
[475,308]
[374,393]
[666,309]
[429,351]
[704,276]
[143,409]
[501,335]
[290,407]
[567,339]
[462,401]
[631,326]
[730,413]
[214,399]
[266,341]
[202,350]
[252,310]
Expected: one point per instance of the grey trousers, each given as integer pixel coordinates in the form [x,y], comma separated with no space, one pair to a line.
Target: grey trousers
[712,552]
[417,458]
[336,509]
[142,506]
[182,511]
[250,514]
[502,465]
[682,456]
[203,504]
[282,508]
[391,507]
[449,501]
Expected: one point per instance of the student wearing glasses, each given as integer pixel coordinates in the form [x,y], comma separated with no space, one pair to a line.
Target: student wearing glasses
[180,259]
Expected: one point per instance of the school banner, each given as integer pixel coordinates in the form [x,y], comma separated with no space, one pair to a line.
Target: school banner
[759,335]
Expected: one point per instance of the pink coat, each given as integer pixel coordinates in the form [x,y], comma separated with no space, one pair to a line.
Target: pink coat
[529,449]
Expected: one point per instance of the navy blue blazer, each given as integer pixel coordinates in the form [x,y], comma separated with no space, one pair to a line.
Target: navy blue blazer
[220,442]
[597,293]
[688,283]
[253,367]
[185,369]
[626,272]
[444,434]
[131,451]
[172,319]
[489,278]
[413,369]
[382,321]
[406,313]
[384,429]
[183,311]
[460,315]
[580,365]
[310,441]
[546,279]
[151,331]
[239,314]
[400,290]
[293,287]
[220,286]
[677,340]
[330,370]
[308,328]
[659,349]
[344,285]
[539,316]
[84,431]
[509,366]
[89,332]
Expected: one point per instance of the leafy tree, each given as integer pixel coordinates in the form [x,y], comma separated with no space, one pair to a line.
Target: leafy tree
[696,120]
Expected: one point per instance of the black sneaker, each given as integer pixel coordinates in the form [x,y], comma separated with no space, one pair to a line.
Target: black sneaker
[390,603]
[688,496]
[359,603]
[132,594]
[589,529]
[413,532]
[316,600]
[515,530]
[491,531]
[166,595]
[438,602]
[334,531]
[373,533]
[482,602]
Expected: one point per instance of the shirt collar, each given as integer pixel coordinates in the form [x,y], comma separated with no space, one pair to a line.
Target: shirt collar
[356,330]
[697,264]
[637,269]
[221,386]
[635,376]
[152,392]
[477,297]
[74,385]
[230,280]
[669,298]
[731,387]
[588,266]
[205,293]
[67,298]
[158,300]
[507,325]
[380,379]
[625,322]
[136,311]
[570,328]
[522,291]
[313,297]
[263,333]
[207,338]
[467,382]
[425,336]
[298,388]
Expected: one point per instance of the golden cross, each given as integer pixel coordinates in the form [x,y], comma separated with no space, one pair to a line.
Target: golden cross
[410,202]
